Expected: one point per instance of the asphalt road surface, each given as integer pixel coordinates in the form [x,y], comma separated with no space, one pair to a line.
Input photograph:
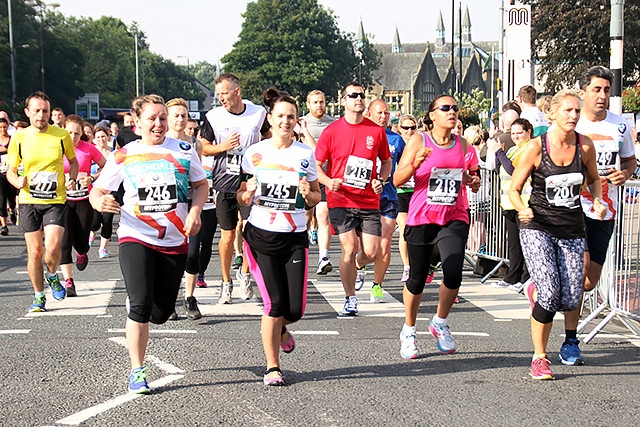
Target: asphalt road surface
[69,366]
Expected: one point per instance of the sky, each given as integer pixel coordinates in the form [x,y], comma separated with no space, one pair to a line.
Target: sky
[207,29]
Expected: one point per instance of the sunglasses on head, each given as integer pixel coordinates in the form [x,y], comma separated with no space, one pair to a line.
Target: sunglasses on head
[446,108]
[354,95]
[414,127]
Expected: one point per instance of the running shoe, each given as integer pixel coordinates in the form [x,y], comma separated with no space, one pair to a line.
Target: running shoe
[324,267]
[350,307]
[102,253]
[431,273]
[226,288]
[12,217]
[360,277]
[4,231]
[57,290]
[529,290]
[517,287]
[174,315]
[246,291]
[405,274]
[200,281]
[289,345]
[540,369]
[313,237]
[501,284]
[71,287]
[38,304]
[441,331]
[81,261]
[273,377]
[191,307]
[92,237]
[408,349]
[570,353]
[237,262]
[138,381]
[376,293]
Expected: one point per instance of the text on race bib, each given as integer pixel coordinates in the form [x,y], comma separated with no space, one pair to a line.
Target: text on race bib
[278,189]
[79,191]
[563,190]
[606,156]
[43,185]
[357,172]
[157,192]
[444,186]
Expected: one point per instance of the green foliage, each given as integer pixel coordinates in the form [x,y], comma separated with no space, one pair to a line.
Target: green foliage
[472,106]
[568,37]
[631,99]
[295,45]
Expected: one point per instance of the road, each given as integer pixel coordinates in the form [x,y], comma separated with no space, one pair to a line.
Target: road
[69,366]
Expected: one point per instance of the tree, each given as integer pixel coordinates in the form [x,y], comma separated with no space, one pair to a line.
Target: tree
[565,46]
[472,106]
[295,45]
[204,72]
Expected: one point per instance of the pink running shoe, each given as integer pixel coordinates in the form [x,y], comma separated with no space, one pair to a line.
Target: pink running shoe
[540,369]
[200,281]
[273,377]
[289,345]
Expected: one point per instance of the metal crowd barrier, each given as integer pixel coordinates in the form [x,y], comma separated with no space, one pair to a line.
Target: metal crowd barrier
[619,288]
[487,231]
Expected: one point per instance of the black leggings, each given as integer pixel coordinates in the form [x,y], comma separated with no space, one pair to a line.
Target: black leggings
[7,195]
[282,281]
[517,267]
[450,239]
[152,280]
[106,220]
[77,224]
[201,244]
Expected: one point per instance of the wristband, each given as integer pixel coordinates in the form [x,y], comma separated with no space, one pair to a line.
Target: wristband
[92,179]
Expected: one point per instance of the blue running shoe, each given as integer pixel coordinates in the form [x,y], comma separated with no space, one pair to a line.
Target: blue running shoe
[138,381]
[350,307]
[38,304]
[441,331]
[58,291]
[570,353]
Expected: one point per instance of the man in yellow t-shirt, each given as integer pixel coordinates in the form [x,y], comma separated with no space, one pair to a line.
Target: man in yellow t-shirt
[40,148]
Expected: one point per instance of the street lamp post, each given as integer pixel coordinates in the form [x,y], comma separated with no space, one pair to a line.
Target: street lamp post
[144,62]
[188,78]
[12,53]
[42,6]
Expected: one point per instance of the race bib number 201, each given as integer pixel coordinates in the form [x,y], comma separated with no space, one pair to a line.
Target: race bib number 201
[563,190]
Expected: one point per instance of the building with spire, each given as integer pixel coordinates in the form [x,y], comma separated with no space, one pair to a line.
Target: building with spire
[412,74]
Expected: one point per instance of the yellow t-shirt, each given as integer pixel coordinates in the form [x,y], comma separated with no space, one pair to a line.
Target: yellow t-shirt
[41,155]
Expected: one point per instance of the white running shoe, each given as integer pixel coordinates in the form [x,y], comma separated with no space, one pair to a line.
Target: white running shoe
[225,293]
[408,348]
[441,331]
[246,291]
[360,278]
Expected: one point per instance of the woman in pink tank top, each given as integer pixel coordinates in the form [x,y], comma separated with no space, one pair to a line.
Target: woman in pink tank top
[437,216]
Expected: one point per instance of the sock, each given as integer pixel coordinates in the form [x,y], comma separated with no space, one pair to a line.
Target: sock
[539,356]
[438,319]
[374,283]
[283,331]
[323,253]
[570,335]
[39,294]
[49,275]
[409,329]
[405,268]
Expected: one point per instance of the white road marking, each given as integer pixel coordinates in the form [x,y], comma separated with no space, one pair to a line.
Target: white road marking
[315,332]
[92,300]
[14,331]
[174,375]
[208,302]
[334,294]
[468,334]
[158,331]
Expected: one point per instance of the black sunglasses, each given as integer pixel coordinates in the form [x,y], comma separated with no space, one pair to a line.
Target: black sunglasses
[446,108]
[354,95]
[409,127]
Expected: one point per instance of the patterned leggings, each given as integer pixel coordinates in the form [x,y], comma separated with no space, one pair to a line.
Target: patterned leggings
[556,267]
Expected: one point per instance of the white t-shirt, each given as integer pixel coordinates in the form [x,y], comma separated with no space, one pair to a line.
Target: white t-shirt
[613,140]
[277,204]
[155,178]
[537,119]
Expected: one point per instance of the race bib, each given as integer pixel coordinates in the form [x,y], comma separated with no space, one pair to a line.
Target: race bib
[234,160]
[357,172]
[157,192]
[4,167]
[79,192]
[278,189]
[211,198]
[409,185]
[444,186]
[607,156]
[563,190]
[43,185]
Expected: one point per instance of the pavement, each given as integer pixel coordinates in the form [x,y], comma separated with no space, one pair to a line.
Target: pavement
[69,366]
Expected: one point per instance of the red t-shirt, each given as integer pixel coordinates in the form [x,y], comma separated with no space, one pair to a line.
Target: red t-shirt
[351,153]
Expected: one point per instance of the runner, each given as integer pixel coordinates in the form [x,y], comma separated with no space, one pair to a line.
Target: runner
[408,128]
[41,148]
[7,191]
[351,147]
[226,134]
[79,214]
[438,215]
[552,227]
[105,219]
[279,178]
[154,222]
[615,153]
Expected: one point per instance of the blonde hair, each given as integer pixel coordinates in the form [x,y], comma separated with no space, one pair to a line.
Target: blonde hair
[555,101]
[139,102]
[544,103]
[473,135]
[177,102]
[314,92]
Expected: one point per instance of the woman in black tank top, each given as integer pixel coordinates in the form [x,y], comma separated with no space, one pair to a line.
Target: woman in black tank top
[552,226]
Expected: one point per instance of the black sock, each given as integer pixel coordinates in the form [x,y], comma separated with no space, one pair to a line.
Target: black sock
[570,335]
[283,331]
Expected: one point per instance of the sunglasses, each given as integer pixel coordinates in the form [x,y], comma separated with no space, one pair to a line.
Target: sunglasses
[409,127]
[355,95]
[446,108]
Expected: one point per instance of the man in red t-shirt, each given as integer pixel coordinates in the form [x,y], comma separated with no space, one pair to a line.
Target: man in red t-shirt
[351,147]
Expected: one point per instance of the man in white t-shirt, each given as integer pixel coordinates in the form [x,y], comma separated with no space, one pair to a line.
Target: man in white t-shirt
[527,102]
[616,162]
[226,134]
